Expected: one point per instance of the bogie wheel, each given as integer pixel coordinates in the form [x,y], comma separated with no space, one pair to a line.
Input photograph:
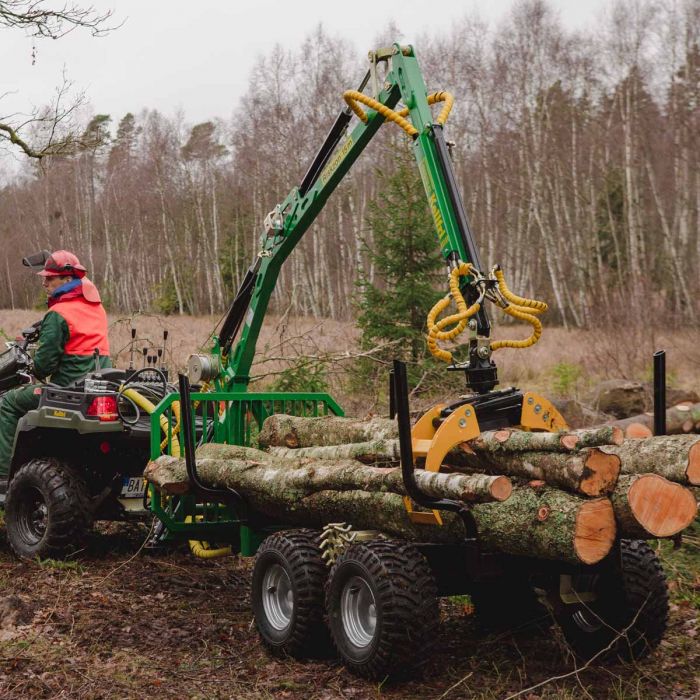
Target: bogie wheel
[628,615]
[381,600]
[48,510]
[287,594]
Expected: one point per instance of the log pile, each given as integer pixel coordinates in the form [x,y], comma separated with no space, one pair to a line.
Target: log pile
[564,496]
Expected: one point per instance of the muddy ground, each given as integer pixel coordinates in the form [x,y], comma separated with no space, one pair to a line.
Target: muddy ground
[111,624]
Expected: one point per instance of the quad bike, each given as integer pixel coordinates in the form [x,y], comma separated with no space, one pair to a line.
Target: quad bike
[79,456]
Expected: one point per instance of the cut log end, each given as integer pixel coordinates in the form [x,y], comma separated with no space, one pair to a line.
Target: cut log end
[501,488]
[637,431]
[618,435]
[661,507]
[569,441]
[693,471]
[602,472]
[595,530]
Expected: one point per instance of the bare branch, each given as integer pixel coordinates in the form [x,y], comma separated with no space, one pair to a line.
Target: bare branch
[40,21]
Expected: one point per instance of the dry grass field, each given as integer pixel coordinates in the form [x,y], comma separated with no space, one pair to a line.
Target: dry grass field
[565,363]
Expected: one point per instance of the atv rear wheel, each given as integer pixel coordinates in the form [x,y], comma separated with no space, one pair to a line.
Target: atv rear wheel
[47,511]
[287,594]
[381,600]
[627,615]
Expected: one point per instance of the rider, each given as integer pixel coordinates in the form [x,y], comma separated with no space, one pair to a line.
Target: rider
[74,327]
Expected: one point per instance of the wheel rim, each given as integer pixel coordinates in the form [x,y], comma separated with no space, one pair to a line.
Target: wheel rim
[32,516]
[358,611]
[587,621]
[277,597]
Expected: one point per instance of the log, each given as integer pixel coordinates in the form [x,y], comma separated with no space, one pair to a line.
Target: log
[680,419]
[281,430]
[647,505]
[549,524]
[377,452]
[511,440]
[278,479]
[543,523]
[590,472]
[675,457]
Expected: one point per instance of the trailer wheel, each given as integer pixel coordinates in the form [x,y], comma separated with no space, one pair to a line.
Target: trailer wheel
[382,608]
[48,510]
[629,615]
[287,594]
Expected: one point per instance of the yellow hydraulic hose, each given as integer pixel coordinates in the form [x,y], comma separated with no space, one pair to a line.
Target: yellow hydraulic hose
[203,550]
[436,328]
[521,308]
[352,97]
[148,406]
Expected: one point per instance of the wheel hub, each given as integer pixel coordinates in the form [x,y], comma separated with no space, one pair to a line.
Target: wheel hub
[33,516]
[358,610]
[277,597]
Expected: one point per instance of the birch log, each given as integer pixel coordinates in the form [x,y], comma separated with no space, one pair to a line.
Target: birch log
[647,505]
[273,480]
[590,472]
[281,430]
[680,419]
[511,440]
[543,523]
[377,452]
[675,457]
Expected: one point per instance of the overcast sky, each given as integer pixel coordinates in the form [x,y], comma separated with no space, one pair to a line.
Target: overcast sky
[198,55]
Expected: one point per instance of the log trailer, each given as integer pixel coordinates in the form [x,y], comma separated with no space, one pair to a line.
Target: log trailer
[378,601]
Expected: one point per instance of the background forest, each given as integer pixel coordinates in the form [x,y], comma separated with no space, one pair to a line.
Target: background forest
[577,155]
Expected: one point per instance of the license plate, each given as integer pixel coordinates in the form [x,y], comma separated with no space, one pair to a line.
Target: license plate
[133,487]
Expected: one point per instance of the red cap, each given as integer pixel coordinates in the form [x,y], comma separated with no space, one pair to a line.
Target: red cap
[61,262]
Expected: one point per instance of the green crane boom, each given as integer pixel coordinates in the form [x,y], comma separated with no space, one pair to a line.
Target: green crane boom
[403,82]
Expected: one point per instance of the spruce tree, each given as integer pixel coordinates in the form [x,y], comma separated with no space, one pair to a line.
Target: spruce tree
[408,274]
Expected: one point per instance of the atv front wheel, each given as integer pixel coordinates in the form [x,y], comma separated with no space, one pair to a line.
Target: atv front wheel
[47,511]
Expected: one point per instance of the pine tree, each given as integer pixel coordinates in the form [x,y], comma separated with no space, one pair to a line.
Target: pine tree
[404,254]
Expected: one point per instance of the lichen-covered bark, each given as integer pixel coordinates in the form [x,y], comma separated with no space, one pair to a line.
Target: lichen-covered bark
[591,471]
[539,523]
[545,523]
[647,505]
[675,457]
[684,418]
[280,481]
[377,452]
[281,430]
[511,440]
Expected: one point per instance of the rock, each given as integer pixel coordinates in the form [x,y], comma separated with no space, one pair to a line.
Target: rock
[620,397]
[578,415]
[673,396]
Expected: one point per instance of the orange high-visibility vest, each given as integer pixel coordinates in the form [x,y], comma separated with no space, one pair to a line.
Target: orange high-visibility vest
[87,326]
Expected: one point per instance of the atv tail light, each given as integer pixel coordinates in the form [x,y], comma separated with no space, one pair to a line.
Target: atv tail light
[105,408]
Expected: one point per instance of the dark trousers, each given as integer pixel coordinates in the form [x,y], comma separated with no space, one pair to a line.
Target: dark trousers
[14,404]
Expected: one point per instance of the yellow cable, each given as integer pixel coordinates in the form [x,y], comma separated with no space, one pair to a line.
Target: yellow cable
[203,550]
[142,402]
[352,97]
[522,314]
[436,328]
[534,306]
[434,98]
[521,308]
